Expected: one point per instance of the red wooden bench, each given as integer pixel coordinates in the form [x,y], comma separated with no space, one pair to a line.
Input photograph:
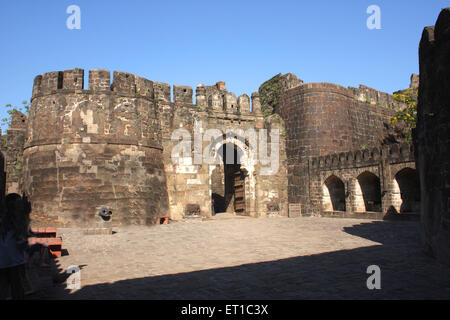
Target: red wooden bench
[47,237]
[163,220]
[44,232]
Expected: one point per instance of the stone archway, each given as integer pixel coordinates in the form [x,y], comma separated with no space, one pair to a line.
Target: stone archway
[333,198]
[406,191]
[369,192]
[228,180]
[237,181]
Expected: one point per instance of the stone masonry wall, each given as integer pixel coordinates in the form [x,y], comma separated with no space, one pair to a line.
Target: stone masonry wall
[88,149]
[432,136]
[111,146]
[12,149]
[383,164]
[324,118]
[191,184]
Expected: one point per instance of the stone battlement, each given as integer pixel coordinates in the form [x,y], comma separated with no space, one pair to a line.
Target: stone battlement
[216,97]
[375,97]
[123,83]
[110,144]
[357,158]
[362,94]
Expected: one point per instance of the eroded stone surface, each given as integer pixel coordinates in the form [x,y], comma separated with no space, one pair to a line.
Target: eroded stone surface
[112,146]
[433,136]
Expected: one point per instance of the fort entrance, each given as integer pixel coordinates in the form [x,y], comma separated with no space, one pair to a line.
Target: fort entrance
[113,145]
[228,181]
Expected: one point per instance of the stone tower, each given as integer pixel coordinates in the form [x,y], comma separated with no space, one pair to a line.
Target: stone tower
[100,147]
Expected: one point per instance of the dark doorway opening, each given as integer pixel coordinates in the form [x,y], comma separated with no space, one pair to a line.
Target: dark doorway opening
[336,190]
[371,191]
[228,181]
[408,182]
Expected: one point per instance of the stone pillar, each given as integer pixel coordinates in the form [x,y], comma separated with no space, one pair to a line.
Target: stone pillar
[348,197]
[394,196]
[356,196]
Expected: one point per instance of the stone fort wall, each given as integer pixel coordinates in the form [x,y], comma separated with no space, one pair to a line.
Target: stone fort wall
[323,119]
[11,148]
[87,149]
[193,185]
[110,145]
[432,136]
[372,183]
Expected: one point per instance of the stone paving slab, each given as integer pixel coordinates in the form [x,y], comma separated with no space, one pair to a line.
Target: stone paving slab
[247,258]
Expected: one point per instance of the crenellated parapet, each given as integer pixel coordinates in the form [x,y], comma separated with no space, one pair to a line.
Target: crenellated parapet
[121,112]
[161,91]
[101,146]
[123,84]
[200,96]
[243,102]
[11,149]
[218,100]
[230,102]
[378,99]
[99,81]
[215,102]
[256,103]
[19,121]
[375,97]
[183,94]
[73,79]
[396,153]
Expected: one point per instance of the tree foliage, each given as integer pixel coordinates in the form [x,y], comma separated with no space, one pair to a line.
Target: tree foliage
[24,108]
[406,118]
[270,92]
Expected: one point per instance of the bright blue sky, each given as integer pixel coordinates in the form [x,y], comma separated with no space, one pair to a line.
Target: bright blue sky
[188,42]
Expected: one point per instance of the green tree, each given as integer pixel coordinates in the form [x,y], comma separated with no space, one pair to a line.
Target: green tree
[24,108]
[406,118]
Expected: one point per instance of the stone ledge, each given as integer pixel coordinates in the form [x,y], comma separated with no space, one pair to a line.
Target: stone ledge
[97,231]
[370,215]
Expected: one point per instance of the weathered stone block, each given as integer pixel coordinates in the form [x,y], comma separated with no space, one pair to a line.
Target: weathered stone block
[182,94]
[431,137]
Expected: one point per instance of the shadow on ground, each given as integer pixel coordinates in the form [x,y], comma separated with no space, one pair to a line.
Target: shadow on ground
[406,273]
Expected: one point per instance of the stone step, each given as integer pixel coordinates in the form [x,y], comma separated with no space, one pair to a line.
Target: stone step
[54,244]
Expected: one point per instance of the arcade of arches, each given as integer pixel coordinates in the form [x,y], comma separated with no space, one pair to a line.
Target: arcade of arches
[364,193]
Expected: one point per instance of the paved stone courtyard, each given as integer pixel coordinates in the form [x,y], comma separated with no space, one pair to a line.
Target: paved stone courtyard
[246,258]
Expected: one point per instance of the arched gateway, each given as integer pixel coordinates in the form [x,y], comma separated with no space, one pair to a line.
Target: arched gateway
[234,161]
